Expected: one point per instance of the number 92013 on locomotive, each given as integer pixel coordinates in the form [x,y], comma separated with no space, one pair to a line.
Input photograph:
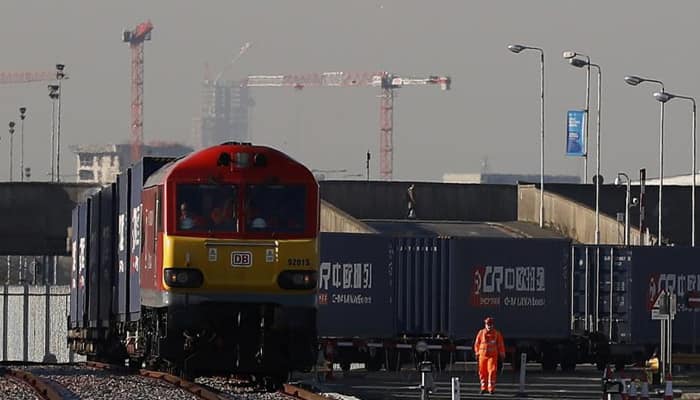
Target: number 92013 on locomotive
[203,264]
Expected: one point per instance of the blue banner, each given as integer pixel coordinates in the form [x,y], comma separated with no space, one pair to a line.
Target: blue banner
[575,128]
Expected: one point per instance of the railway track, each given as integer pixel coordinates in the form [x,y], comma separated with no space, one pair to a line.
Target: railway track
[92,380]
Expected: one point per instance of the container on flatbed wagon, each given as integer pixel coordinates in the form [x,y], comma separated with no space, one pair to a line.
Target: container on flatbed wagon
[442,288]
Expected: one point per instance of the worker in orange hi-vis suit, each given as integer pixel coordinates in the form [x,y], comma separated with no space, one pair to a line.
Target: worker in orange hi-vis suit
[488,347]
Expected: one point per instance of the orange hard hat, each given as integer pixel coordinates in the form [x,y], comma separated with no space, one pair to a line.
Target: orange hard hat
[488,320]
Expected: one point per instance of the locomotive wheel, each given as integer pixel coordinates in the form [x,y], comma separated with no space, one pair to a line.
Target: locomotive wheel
[273,382]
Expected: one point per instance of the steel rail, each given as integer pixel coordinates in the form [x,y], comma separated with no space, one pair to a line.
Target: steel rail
[41,387]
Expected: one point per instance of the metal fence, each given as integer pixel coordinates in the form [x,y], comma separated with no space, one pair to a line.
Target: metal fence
[34,323]
[35,270]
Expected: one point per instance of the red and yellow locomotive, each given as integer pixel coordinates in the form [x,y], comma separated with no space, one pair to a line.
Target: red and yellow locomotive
[214,268]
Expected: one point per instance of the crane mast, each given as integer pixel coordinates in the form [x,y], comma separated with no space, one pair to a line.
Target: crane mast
[385,81]
[136,39]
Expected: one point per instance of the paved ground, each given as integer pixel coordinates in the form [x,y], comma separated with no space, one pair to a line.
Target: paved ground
[585,383]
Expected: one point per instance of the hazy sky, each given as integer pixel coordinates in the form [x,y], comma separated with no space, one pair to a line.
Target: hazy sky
[492,110]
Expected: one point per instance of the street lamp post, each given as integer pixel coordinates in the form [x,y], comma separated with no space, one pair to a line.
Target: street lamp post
[53,95]
[568,55]
[634,81]
[60,75]
[579,63]
[664,97]
[627,204]
[12,132]
[516,48]
[22,116]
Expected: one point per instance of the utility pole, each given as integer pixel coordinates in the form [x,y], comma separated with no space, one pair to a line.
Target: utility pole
[60,75]
[367,166]
[12,132]
[22,115]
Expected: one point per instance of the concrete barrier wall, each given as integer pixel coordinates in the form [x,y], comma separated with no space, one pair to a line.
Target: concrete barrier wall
[34,324]
[334,219]
[36,215]
[571,218]
[434,201]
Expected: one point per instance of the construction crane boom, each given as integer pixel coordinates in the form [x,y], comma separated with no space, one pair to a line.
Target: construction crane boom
[385,81]
[27,77]
[136,38]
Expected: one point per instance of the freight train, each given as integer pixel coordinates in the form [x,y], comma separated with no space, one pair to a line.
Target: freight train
[200,265]
[387,300]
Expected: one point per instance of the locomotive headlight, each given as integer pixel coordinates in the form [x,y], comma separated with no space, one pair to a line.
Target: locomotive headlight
[183,277]
[303,280]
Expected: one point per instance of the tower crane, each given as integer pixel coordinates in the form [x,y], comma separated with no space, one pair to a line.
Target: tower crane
[27,76]
[387,82]
[136,38]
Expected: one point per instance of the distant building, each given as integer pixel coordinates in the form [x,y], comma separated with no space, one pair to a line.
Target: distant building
[676,180]
[224,114]
[102,163]
[506,179]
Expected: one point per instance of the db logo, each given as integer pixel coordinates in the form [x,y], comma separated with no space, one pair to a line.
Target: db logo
[241,259]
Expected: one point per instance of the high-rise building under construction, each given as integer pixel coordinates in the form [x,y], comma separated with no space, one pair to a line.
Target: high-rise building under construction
[224,114]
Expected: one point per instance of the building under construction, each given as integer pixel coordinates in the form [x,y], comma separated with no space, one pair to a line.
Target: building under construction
[224,114]
[102,163]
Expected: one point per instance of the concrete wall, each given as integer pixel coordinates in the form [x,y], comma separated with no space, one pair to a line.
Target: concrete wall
[572,218]
[434,201]
[36,215]
[34,326]
[334,219]
[676,215]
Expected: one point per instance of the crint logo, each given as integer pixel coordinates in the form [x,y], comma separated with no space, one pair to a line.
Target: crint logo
[241,259]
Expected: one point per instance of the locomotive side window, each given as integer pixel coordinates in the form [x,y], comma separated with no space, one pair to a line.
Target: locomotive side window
[207,208]
[275,208]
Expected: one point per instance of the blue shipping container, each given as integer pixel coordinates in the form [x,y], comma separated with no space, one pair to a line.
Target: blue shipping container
[121,290]
[73,313]
[93,266]
[356,292]
[107,254]
[83,254]
[522,283]
[674,269]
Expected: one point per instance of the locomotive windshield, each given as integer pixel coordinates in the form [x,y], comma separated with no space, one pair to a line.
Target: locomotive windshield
[265,208]
[207,208]
[275,208]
